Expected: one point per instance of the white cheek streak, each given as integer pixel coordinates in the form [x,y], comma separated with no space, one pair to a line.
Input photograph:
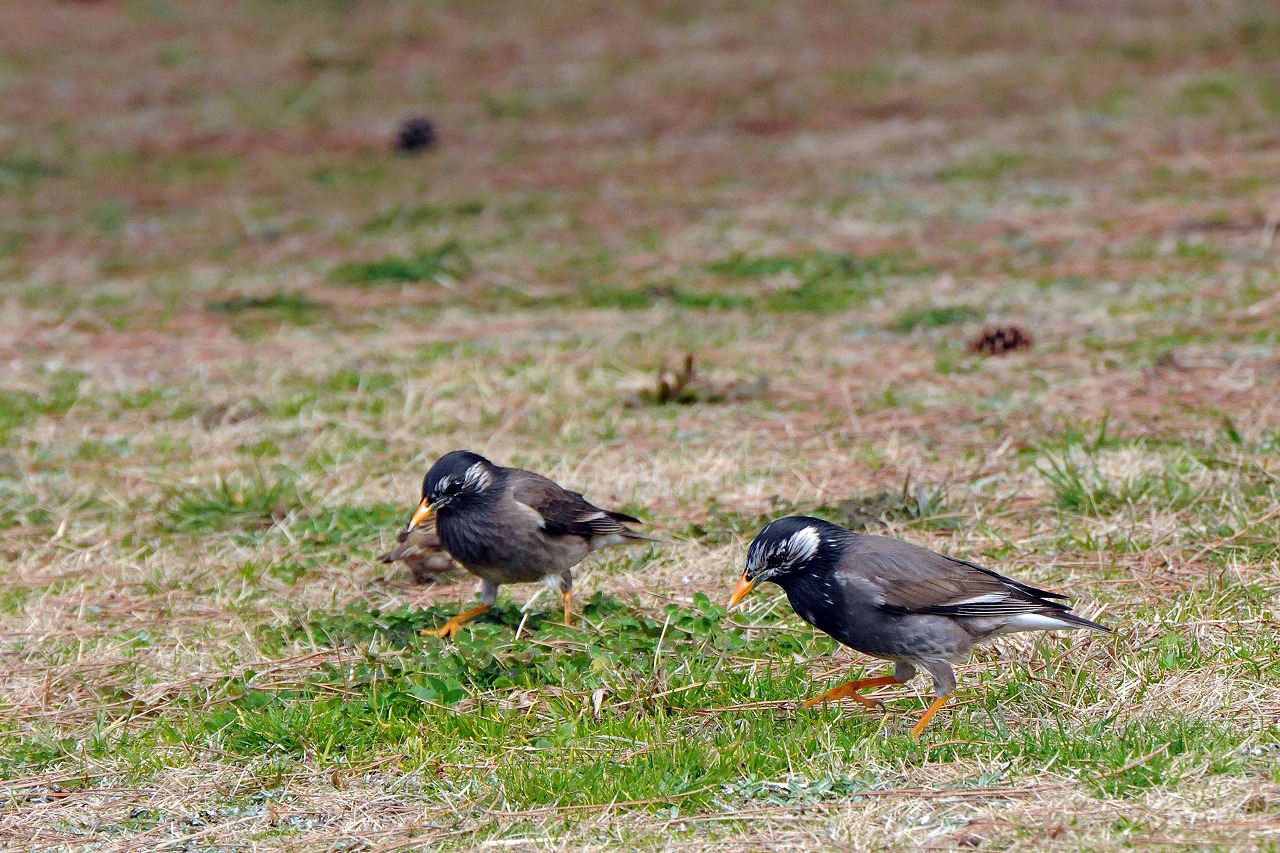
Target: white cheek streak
[477,478]
[803,545]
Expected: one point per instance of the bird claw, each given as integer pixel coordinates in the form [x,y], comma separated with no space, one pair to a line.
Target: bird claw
[443,633]
[826,699]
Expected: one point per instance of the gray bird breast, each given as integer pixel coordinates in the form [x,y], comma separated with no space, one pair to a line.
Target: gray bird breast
[507,552]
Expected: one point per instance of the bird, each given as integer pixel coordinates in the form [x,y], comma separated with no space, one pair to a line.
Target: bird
[896,601]
[420,549]
[508,525]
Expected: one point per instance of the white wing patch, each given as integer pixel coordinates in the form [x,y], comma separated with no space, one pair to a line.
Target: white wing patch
[987,598]
[533,514]
[802,545]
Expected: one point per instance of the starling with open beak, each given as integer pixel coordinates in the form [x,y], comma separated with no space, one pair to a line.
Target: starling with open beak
[896,601]
[507,525]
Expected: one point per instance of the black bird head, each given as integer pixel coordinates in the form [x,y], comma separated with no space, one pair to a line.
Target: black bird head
[786,548]
[456,480]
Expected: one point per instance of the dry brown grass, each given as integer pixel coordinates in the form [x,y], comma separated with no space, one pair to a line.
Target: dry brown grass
[1101,174]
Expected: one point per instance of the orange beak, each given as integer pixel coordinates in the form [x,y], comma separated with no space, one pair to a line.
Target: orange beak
[740,591]
[424,511]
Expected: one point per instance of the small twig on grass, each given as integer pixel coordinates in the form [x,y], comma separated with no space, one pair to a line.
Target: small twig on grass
[660,695]
[941,744]
[658,649]
[776,704]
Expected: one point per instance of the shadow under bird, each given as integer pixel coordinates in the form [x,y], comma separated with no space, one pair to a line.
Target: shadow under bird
[508,525]
[896,601]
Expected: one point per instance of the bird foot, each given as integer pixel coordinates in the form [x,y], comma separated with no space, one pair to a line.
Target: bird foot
[849,690]
[919,727]
[448,629]
[444,632]
[873,704]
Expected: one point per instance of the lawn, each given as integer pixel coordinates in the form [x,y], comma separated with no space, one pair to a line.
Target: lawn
[236,327]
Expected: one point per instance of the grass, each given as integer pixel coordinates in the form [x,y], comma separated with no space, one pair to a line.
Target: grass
[443,264]
[930,318]
[293,307]
[238,327]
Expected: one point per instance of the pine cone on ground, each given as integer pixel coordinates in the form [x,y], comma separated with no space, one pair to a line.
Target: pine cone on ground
[1000,340]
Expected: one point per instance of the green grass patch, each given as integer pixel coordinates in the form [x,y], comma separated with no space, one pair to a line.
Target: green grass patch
[818,282]
[345,525]
[918,506]
[405,217]
[243,502]
[633,705]
[444,264]
[25,171]
[932,317]
[1080,484]
[295,308]
[826,282]
[19,408]
[985,168]
[1208,93]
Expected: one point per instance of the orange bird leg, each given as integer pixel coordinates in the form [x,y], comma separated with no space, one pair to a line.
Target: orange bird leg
[849,689]
[928,715]
[451,627]
[568,607]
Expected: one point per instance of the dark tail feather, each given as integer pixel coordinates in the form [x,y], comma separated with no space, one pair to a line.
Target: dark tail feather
[1080,621]
[623,517]
[630,519]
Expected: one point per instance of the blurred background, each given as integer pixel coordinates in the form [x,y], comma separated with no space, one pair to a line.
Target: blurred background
[159,159]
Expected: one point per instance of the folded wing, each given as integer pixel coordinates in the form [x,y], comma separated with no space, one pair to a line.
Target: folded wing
[905,578]
[561,512]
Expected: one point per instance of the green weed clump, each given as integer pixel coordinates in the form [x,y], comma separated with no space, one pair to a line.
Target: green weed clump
[294,307]
[241,502]
[444,264]
[933,317]
[826,282]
